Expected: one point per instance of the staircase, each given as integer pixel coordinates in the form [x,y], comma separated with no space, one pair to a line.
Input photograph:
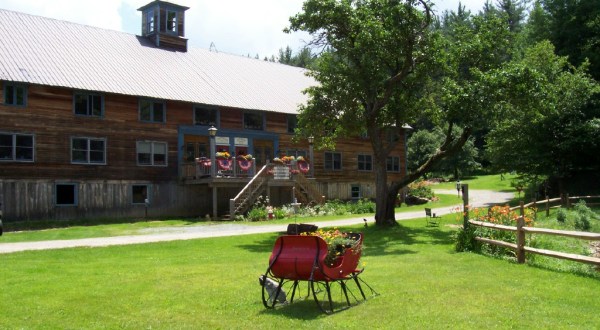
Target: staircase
[310,194]
[307,193]
[248,195]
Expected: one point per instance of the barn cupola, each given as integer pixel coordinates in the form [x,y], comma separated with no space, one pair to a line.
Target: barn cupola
[163,23]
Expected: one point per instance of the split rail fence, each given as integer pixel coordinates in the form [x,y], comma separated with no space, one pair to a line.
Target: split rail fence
[521,230]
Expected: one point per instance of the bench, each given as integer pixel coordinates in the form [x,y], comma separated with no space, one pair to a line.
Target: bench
[430,218]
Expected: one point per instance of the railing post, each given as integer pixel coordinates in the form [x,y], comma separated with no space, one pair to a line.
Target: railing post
[521,236]
[568,201]
[547,205]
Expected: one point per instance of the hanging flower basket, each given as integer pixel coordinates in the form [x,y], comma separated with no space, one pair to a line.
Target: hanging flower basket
[244,164]
[303,166]
[224,164]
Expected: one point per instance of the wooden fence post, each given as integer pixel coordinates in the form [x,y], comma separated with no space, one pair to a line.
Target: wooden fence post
[547,205]
[521,236]
[568,201]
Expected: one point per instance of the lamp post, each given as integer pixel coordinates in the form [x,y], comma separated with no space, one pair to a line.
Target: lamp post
[212,132]
[311,140]
[457,188]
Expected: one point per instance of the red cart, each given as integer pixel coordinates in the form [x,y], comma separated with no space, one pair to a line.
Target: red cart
[297,258]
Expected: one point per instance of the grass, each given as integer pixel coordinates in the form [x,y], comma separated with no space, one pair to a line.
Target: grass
[496,182]
[140,227]
[213,284]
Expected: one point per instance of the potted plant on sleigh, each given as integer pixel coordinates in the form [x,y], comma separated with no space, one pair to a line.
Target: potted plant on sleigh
[338,243]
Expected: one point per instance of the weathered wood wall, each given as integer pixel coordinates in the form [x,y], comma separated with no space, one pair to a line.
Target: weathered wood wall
[24,200]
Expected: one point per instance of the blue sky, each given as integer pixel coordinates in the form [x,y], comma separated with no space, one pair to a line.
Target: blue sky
[241,27]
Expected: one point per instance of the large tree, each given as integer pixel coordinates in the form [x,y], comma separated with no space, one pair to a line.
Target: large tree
[545,125]
[384,66]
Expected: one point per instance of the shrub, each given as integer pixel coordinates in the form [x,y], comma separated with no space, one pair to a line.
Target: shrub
[465,240]
[501,215]
[279,213]
[561,215]
[362,206]
[258,213]
[420,189]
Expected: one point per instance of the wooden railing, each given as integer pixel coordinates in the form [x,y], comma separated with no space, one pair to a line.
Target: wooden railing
[248,194]
[520,231]
[313,194]
[201,169]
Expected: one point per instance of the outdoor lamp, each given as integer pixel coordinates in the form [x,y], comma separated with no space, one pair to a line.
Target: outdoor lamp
[458,188]
[212,131]
[311,139]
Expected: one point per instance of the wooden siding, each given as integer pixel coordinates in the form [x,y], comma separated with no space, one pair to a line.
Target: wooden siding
[34,199]
[26,189]
[49,116]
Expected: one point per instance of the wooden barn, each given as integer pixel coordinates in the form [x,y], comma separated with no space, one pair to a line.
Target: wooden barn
[97,123]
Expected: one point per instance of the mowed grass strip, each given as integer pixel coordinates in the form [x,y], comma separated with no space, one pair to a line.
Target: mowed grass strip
[142,227]
[213,284]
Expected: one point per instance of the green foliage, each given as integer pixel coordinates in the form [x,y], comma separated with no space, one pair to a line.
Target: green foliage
[421,189]
[561,215]
[540,130]
[465,240]
[257,214]
[279,213]
[501,215]
[583,215]
[362,206]
[425,143]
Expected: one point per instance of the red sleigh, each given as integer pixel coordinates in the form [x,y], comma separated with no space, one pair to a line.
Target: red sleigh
[297,258]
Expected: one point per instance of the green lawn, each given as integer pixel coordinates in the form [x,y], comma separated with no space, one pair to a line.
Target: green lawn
[496,182]
[213,284]
[140,227]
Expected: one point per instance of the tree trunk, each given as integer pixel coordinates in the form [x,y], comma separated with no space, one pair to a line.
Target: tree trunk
[382,200]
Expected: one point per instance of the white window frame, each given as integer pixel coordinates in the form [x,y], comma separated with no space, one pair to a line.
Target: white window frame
[153,146]
[88,150]
[14,148]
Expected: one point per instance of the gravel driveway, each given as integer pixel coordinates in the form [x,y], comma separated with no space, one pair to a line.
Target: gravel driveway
[478,198]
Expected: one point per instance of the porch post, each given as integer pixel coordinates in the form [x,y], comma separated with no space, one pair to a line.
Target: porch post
[212,132]
[214,202]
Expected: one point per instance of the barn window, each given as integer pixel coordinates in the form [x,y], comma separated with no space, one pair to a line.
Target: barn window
[88,104]
[151,153]
[65,194]
[393,164]
[139,193]
[15,95]
[152,111]
[205,116]
[355,192]
[16,147]
[333,161]
[86,150]
[292,123]
[254,121]
[365,163]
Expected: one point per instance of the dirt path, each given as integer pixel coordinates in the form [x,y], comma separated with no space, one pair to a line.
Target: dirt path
[478,198]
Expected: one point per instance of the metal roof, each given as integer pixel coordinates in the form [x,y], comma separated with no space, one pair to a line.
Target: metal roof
[39,50]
